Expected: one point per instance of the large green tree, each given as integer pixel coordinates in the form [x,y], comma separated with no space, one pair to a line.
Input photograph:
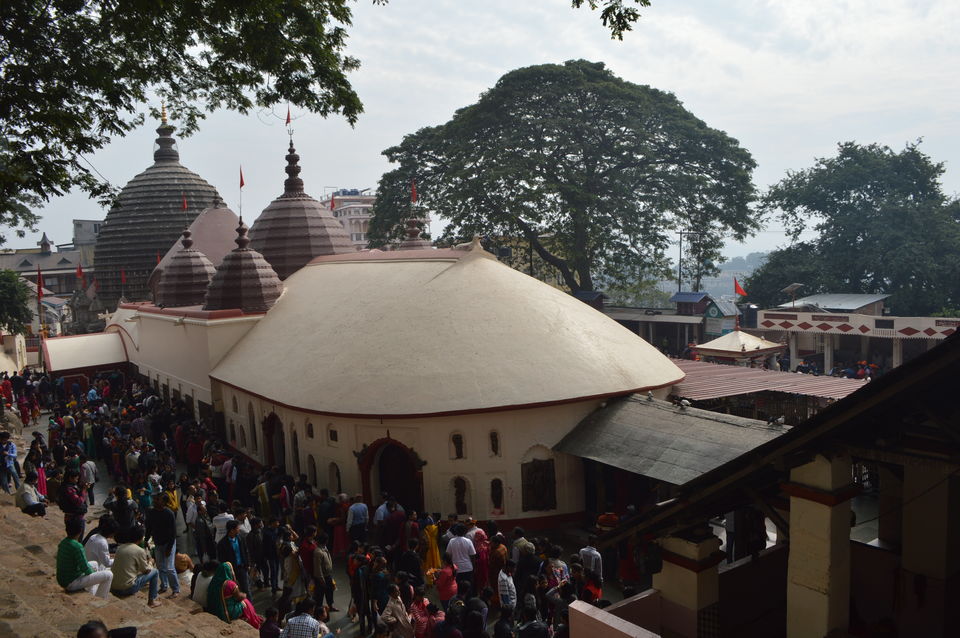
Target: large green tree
[15,313]
[604,168]
[75,73]
[883,223]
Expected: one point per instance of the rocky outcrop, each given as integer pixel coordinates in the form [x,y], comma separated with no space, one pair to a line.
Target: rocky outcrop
[32,605]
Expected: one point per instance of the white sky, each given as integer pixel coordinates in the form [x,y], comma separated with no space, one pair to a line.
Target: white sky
[787,79]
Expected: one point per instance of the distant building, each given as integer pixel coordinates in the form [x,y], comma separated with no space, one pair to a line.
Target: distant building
[354,209]
[59,262]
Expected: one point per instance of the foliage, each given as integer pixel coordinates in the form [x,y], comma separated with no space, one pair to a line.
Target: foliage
[616,15]
[15,313]
[640,293]
[606,168]
[884,224]
[76,72]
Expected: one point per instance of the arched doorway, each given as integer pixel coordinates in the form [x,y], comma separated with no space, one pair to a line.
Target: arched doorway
[311,470]
[295,449]
[273,443]
[389,465]
[335,480]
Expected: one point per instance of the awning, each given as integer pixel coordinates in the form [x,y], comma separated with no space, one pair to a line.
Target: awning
[663,441]
[77,352]
[712,381]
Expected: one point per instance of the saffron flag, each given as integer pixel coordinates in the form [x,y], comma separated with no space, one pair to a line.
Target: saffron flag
[288,115]
[80,276]
[123,276]
[39,284]
[333,201]
[738,289]
[184,201]
[241,177]
[158,257]
[413,191]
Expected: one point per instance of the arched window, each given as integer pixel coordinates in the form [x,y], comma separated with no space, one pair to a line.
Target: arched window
[233,432]
[295,450]
[333,437]
[235,407]
[456,446]
[461,495]
[243,437]
[309,430]
[494,443]
[252,422]
[336,483]
[496,496]
[312,470]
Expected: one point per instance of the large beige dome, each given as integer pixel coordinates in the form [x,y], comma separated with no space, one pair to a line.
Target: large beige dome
[431,332]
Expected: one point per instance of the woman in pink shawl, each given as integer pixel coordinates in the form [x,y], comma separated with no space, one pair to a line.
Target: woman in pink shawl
[482,544]
[231,603]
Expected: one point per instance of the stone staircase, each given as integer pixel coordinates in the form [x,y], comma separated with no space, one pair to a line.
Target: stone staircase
[32,605]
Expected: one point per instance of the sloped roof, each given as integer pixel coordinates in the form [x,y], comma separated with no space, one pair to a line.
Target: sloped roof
[737,343]
[688,297]
[213,233]
[46,261]
[428,332]
[837,301]
[83,351]
[726,308]
[712,381]
[662,441]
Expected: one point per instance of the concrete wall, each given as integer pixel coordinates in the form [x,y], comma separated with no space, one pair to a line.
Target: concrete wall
[587,621]
[524,435]
[753,595]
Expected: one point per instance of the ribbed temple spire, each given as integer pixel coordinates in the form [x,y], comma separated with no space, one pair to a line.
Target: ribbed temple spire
[293,185]
[165,144]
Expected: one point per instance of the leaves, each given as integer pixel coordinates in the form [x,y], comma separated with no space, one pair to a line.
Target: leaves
[616,15]
[76,72]
[884,224]
[604,168]
[15,313]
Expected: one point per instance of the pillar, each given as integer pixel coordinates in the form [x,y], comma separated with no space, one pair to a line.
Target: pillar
[864,346]
[889,527]
[792,338]
[827,353]
[930,555]
[818,568]
[689,583]
[650,332]
[897,352]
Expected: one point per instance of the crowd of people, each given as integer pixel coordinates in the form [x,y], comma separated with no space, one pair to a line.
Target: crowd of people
[251,529]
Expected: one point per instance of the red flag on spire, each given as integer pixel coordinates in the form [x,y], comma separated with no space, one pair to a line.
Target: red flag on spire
[333,200]
[39,284]
[184,201]
[241,177]
[413,191]
[80,276]
[158,257]
[123,276]
[288,115]
[738,289]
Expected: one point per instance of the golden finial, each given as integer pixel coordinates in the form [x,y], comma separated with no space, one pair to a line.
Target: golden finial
[163,113]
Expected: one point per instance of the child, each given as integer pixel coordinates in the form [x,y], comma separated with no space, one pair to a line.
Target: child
[270,627]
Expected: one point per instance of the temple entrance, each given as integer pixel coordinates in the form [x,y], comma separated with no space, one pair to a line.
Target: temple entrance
[273,443]
[387,465]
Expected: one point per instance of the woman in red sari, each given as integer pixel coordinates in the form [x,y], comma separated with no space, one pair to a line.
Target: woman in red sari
[482,545]
[341,543]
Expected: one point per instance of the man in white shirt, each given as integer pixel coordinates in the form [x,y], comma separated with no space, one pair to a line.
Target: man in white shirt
[97,547]
[591,558]
[463,554]
[505,585]
[88,474]
[220,522]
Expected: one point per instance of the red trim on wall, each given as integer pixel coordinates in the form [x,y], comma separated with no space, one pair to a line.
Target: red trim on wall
[502,408]
[821,496]
[549,521]
[692,565]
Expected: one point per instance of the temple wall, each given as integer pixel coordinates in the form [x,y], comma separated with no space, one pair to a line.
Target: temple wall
[523,435]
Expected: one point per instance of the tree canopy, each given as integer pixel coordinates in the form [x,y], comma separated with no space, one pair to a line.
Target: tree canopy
[15,313]
[602,168]
[75,73]
[884,225]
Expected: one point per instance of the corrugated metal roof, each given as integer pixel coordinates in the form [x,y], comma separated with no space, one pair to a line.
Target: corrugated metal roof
[712,381]
[837,301]
[688,297]
[726,308]
[662,441]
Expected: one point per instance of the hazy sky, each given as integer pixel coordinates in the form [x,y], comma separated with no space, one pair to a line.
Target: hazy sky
[787,79]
